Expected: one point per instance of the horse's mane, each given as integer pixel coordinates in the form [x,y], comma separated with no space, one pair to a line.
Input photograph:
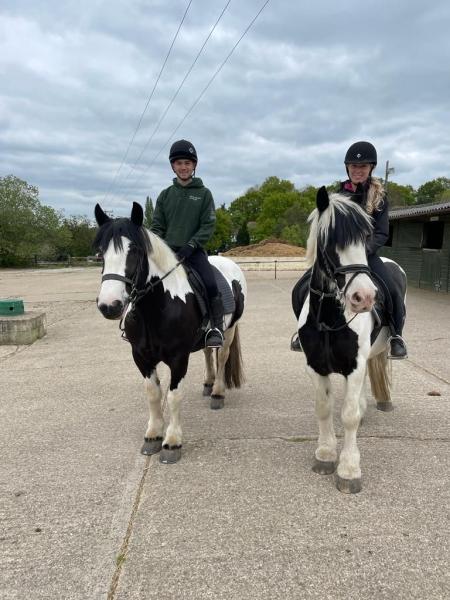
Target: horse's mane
[115,229]
[149,243]
[343,221]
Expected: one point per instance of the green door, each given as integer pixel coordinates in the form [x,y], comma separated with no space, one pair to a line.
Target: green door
[430,272]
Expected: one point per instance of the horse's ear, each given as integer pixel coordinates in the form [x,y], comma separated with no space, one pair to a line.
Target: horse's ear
[100,216]
[137,214]
[322,199]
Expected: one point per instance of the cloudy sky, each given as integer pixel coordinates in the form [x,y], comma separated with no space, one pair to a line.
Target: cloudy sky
[307,80]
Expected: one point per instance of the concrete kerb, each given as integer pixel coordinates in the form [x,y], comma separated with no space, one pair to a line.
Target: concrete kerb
[242,515]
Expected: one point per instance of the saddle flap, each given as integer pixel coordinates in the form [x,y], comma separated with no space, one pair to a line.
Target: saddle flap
[198,287]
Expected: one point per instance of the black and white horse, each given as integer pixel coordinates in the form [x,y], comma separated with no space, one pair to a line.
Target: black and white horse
[144,285]
[336,328]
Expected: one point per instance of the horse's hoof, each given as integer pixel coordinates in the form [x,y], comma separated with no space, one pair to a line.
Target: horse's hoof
[151,446]
[207,389]
[217,401]
[170,456]
[324,467]
[348,486]
[385,406]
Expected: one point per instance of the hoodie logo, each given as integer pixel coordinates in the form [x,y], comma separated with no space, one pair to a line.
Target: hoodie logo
[194,198]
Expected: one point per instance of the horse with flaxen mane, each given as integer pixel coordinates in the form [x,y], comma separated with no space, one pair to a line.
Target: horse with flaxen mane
[339,332]
[145,286]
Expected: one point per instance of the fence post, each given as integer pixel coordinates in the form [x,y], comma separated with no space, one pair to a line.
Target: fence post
[276,268]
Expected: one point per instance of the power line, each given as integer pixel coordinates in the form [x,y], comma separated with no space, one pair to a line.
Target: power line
[202,93]
[166,110]
[148,101]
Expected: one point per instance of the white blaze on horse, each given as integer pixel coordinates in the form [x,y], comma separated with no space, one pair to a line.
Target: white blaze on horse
[145,286]
[339,332]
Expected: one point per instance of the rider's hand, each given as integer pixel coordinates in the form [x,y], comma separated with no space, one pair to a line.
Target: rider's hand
[185,251]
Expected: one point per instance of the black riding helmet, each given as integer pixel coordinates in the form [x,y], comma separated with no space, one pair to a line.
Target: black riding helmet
[361,153]
[183,149]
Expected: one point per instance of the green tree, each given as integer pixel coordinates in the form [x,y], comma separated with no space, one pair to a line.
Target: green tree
[148,212]
[243,210]
[26,226]
[279,197]
[400,195]
[223,232]
[81,236]
[432,191]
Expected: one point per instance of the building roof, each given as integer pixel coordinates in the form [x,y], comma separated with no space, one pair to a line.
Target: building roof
[419,210]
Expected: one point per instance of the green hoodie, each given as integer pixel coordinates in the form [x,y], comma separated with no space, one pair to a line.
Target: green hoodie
[184,214]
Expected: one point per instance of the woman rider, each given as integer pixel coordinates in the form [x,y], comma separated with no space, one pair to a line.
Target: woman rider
[368,192]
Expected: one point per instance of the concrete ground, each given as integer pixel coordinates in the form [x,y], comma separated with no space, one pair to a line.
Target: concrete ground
[83,515]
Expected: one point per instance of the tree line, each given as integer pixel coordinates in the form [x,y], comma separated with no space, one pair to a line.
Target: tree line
[274,209]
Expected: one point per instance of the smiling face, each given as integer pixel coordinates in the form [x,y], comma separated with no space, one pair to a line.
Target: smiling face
[359,173]
[183,169]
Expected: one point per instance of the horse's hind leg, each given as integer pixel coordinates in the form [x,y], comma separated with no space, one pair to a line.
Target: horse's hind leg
[154,434]
[218,390]
[325,455]
[210,372]
[348,478]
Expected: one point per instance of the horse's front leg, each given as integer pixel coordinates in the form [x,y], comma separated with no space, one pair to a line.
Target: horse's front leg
[325,455]
[171,448]
[348,478]
[154,434]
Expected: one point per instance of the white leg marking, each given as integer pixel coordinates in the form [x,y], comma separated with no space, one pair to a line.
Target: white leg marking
[210,371]
[349,465]
[326,449]
[174,434]
[222,357]
[155,423]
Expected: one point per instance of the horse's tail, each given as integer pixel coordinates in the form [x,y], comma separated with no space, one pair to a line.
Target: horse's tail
[234,372]
[380,375]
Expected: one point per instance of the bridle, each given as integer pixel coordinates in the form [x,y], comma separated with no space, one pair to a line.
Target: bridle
[333,272]
[136,293]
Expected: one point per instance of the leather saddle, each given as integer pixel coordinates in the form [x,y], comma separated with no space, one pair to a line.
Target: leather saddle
[198,287]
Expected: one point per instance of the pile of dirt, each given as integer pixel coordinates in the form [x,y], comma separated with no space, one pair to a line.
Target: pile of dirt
[270,247]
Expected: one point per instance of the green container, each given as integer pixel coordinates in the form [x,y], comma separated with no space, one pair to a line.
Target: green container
[11,308]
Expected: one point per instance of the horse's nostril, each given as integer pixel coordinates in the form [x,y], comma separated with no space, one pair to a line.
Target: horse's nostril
[357,297]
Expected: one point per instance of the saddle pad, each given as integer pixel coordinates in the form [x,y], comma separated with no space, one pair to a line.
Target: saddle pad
[229,304]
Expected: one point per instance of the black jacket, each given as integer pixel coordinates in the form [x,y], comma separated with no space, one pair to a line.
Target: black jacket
[380,217]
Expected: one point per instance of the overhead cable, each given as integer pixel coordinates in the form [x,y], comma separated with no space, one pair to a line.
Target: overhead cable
[148,101]
[202,93]
[166,110]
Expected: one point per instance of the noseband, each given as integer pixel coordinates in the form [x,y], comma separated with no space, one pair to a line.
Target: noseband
[332,272]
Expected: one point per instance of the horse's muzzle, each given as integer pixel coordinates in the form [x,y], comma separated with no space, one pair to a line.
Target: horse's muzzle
[361,302]
[111,311]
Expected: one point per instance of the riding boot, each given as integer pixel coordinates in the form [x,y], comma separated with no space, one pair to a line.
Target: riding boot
[397,345]
[214,335]
[295,343]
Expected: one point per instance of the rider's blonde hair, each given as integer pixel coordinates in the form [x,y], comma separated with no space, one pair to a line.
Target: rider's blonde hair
[375,195]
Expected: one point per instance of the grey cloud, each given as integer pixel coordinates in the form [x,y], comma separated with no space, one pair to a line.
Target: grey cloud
[304,83]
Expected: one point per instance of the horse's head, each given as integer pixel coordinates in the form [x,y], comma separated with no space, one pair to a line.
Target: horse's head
[337,244]
[124,245]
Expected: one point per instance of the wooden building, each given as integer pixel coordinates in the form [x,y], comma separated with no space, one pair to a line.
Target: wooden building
[419,240]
